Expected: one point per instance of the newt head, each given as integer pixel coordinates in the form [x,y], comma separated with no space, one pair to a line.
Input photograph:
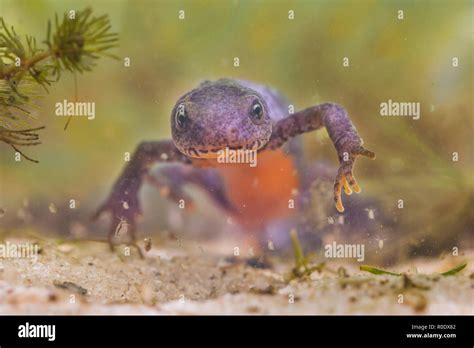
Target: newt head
[217,115]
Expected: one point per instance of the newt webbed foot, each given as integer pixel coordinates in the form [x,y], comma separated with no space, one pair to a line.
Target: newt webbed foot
[345,177]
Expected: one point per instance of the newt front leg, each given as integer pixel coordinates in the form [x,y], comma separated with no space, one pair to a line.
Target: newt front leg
[122,202]
[342,132]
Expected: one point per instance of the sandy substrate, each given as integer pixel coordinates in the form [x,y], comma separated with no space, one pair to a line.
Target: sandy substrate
[86,278]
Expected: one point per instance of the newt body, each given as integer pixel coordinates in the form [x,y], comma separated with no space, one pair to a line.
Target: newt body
[238,115]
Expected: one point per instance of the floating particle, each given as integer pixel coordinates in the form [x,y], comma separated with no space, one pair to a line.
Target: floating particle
[52,208]
[380,242]
[270,245]
[125,205]
[229,221]
[370,213]
[330,220]
[340,219]
[147,242]
[164,156]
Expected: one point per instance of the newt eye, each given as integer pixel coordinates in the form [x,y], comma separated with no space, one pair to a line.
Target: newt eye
[256,111]
[181,116]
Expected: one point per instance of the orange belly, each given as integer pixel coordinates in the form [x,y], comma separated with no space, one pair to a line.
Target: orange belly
[261,193]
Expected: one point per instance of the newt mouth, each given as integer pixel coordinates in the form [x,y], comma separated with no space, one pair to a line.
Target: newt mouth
[213,152]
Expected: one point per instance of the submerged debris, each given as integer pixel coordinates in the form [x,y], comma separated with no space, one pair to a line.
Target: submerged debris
[147,242]
[259,262]
[71,286]
[407,283]
[379,271]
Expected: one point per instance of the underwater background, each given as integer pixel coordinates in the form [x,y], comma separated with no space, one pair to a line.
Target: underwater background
[409,60]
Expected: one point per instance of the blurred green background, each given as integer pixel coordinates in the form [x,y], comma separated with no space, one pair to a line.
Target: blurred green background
[402,60]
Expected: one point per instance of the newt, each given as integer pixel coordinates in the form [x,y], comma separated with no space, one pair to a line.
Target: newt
[235,114]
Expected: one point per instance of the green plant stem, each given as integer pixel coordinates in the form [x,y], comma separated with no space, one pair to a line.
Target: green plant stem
[11,70]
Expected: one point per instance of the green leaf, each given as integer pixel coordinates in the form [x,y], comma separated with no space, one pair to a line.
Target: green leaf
[297,249]
[455,270]
[377,270]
